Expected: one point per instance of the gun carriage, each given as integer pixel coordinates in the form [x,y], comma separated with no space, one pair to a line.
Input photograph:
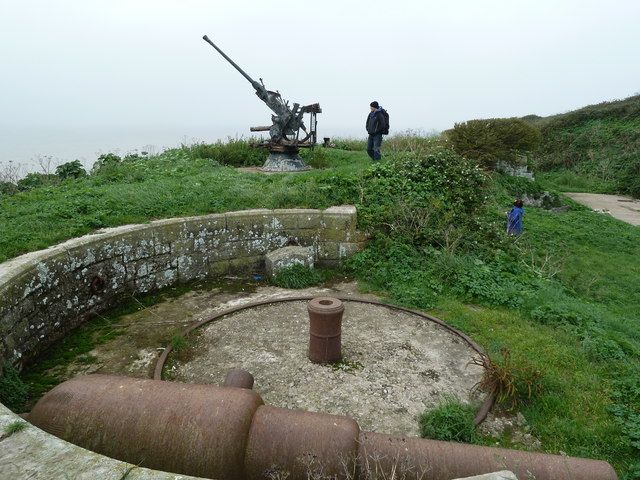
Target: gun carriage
[288,132]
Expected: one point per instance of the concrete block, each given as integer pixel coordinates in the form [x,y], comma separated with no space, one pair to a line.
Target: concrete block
[290,219]
[310,219]
[286,257]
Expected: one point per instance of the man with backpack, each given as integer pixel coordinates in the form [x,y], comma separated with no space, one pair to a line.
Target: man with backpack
[377,125]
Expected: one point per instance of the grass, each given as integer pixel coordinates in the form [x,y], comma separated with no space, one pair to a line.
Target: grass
[168,185]
[450,421]
[14,427]
[297,276]
[593,149]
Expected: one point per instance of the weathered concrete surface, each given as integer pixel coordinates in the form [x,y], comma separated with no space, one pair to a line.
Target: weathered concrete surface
[47,293]
[396,365]
[623,208]
[287,257]
[35,455]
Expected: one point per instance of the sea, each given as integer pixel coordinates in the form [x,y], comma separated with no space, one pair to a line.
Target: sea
[41,149]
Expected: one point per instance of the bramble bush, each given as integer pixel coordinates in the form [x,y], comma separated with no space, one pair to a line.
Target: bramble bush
[425,199]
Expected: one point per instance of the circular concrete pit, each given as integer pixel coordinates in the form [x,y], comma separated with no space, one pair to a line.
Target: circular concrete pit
[395,364]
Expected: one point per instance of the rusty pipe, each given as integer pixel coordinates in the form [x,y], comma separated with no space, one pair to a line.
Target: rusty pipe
[198,430]
[228,433]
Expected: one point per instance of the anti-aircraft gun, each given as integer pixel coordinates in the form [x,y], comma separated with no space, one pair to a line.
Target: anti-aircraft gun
[288,132]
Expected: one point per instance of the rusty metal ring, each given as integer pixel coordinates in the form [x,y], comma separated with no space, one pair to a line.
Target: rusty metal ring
[482,412]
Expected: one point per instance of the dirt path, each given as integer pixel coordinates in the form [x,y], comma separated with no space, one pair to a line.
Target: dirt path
[623,208]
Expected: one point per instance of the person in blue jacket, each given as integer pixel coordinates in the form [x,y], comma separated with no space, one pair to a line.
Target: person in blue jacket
[514,218]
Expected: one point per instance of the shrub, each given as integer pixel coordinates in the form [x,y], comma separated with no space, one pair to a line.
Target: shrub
[490,140]
[450,421]
[559,314]
[71,170]
[34,180]
[600,348]
[630,174]
[234,153]
[297,276]
[517,187]
[13,391]
[423,198]
[8,188]
[107,165]
[626,406]
[487,283]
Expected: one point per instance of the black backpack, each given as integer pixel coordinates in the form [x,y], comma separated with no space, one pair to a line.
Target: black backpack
[385,114]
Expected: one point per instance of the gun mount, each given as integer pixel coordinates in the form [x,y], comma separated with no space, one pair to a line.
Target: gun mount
[288,132]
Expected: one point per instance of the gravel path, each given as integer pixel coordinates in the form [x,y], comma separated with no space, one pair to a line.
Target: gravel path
[623,208]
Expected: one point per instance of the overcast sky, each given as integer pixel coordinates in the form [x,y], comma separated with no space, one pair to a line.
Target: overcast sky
[143,63]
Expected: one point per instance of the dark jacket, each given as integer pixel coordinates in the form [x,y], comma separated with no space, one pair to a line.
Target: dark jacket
[375,122]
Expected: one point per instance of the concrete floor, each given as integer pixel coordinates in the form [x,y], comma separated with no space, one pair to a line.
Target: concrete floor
[623,208]
[396,365]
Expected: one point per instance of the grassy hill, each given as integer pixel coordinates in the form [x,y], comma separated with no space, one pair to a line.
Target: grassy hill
[595,148]
[562,299]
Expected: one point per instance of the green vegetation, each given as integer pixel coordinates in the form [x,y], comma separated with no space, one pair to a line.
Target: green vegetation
[297,276]
[41,376]
[595,148]
[178,342]
[450,421]
[14,427]
[491,140]
[511,384]
[177,182]
[70,170]
[561,299]
[13,391]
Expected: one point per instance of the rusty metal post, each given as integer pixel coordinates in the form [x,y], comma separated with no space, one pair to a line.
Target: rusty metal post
[239,378]
[325,329]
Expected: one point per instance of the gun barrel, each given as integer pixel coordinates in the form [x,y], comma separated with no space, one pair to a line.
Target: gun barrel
[255,84]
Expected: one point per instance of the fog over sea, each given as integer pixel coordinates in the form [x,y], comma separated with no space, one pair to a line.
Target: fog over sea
[31,146]
[28,146]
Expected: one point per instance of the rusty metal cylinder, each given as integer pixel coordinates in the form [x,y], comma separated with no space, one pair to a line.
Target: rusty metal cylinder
[438,460]
[325,329]
[301,444]
[228,434]
[239,378]
[198,430]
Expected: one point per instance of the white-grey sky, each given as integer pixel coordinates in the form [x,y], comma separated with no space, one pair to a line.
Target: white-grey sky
[142,63]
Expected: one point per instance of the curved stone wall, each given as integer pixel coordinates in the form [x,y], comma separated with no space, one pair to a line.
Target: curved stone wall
[45,294]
